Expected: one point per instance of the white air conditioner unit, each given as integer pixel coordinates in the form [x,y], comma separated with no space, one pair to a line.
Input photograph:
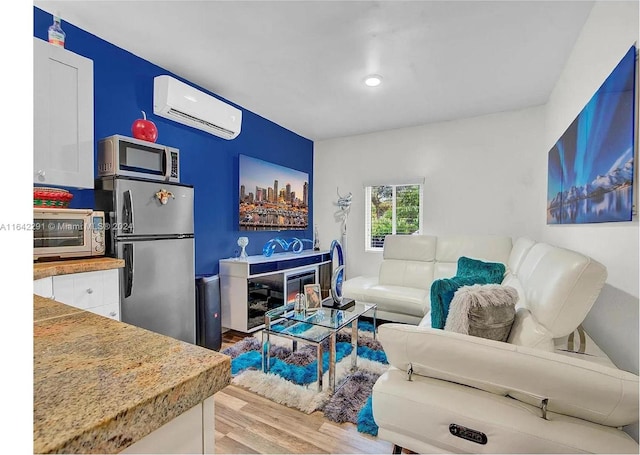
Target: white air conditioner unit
[184,104]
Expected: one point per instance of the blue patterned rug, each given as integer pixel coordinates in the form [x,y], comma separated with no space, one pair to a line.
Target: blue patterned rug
[292,380]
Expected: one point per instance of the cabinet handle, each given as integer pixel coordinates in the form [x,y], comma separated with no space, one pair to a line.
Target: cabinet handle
[89,291]
[41,173]
[112,314]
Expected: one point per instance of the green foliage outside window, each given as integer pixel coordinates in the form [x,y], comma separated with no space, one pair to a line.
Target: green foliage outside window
[407,211]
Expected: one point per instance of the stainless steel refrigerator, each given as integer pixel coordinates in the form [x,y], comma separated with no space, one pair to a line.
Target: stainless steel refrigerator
[155,239]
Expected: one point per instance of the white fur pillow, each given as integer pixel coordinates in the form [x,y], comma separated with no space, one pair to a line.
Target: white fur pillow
[483,310]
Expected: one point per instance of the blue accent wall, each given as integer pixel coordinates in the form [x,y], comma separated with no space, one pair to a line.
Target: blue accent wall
[123,86]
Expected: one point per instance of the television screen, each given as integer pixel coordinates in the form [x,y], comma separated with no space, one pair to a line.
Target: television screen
[272,197]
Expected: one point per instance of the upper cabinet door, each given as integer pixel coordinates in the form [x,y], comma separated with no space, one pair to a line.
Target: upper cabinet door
[63,117]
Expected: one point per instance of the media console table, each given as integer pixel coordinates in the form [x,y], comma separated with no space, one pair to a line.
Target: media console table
[249,288]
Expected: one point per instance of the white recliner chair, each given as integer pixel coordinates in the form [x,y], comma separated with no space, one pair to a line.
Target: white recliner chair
[449,392]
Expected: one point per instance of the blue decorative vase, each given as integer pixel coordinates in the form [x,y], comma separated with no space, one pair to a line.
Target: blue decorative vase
[338,274]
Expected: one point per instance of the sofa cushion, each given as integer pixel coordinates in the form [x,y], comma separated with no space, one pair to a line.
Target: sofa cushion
[412,274]
[410,247]
[485,311]
[444,270]
[426,320]
[397,299]
[492,272]
[521,247]
[560,286]
[494,248]
[442,293]
[526,331]
[354,288]
[574,387]
[512,280]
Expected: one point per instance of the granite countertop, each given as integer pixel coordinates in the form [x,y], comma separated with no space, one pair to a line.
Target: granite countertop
[64,267]
[100,385]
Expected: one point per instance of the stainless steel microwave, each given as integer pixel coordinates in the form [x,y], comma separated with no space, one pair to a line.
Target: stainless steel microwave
[67,233]
[121,155]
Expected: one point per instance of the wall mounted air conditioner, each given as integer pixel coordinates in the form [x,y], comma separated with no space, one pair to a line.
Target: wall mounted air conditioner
[184,104]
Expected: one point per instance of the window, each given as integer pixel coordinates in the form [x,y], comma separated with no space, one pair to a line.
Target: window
[391,209]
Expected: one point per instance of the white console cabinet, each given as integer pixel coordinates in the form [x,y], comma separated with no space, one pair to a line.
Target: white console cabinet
[251,287]
[96,292]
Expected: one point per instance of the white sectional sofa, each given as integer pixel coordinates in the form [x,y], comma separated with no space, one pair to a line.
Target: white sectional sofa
[411,263]
[537,393]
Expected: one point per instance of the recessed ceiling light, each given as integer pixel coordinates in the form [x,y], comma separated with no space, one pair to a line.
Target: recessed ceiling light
[373,80]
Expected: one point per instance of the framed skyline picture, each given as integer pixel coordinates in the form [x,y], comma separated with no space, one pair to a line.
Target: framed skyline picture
[272,197]
[591,166]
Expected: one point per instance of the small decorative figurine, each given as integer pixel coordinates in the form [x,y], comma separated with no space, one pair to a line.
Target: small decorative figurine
[300,303]
[242,243]
[316,239]
[164,195]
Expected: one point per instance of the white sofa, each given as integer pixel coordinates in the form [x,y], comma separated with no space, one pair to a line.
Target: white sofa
[537,393]
[411,263]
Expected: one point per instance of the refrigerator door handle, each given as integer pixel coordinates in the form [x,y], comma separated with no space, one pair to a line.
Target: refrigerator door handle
[167,165]
[127,213]
[127,252]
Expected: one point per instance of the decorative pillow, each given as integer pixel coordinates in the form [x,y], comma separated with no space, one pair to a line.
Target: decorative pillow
[485,311]
[442,292]
[493,272]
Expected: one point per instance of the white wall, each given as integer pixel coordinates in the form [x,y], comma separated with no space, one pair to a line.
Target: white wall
[610,30]
[612,27]
[480,177]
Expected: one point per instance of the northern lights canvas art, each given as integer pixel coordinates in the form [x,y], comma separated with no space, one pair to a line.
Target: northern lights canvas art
[591,166]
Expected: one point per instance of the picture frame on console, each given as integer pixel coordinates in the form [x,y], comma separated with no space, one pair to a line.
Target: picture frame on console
[313,297]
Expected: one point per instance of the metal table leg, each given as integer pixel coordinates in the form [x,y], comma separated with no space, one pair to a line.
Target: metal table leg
[265,352]
[332,362]
[320,372]
[354,344]
[375,310]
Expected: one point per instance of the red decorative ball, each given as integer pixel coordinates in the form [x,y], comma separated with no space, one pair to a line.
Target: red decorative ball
[144,129]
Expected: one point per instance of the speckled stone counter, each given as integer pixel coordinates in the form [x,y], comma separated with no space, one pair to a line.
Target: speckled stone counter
[101,385]
[65,267]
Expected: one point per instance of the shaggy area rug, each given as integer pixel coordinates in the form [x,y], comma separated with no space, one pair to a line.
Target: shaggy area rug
[292,380]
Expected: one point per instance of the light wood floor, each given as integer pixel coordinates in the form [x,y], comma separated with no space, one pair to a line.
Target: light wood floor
[249,423]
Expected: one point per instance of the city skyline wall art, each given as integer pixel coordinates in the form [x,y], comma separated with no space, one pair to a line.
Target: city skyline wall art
[272,197]
[591,166]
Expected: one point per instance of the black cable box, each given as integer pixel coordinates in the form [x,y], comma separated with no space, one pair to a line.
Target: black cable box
[345,304]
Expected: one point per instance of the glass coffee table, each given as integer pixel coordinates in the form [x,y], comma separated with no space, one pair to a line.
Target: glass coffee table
[314,327]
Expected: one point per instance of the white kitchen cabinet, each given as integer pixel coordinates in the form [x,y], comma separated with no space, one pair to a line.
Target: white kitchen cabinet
[193,431]
[96,292]
[43,287]
[63,117]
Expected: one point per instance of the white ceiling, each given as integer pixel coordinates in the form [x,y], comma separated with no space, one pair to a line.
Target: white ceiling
[301,63]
